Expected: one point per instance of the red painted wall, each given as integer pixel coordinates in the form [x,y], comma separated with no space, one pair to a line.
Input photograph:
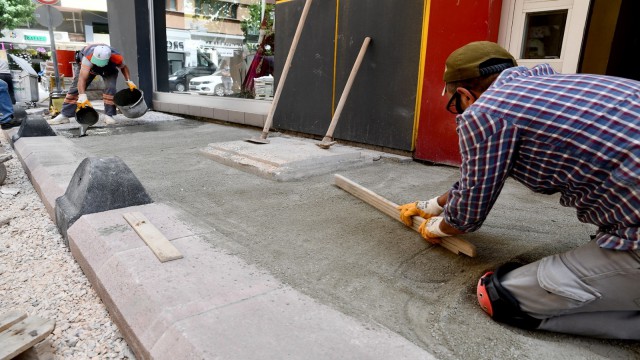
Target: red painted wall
[452,23]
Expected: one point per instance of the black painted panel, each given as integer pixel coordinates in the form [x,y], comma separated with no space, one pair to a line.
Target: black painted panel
[305,102]
[381,105]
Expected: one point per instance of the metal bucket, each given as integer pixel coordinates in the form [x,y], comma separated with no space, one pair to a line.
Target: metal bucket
[86,117]
[130,102]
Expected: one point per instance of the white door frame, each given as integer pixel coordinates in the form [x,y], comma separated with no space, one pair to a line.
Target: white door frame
[512,24]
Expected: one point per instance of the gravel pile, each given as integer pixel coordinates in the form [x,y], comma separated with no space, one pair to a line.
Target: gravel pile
[38,275]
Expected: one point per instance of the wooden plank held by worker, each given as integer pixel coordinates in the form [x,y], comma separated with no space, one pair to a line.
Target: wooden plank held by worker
[451,243]
[158,243]
[19,333]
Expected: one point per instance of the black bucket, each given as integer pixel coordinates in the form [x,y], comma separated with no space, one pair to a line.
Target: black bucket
[86,116]
[130,102]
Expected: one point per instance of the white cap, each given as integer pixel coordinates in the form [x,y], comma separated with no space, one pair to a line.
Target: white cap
[101,55]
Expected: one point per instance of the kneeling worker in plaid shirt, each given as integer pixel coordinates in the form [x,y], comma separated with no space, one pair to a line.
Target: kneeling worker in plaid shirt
[577,135]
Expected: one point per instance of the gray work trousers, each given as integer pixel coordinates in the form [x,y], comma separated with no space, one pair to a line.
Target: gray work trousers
[587,291]
[109,78]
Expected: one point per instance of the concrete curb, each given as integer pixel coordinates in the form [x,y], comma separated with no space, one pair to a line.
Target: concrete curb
[209,304]
[49,162]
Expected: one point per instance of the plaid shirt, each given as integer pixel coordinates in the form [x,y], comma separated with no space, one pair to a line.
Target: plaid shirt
[578,135]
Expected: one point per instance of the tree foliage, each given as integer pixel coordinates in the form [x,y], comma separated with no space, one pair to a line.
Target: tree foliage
[251,25]
[216,10]
[14,13]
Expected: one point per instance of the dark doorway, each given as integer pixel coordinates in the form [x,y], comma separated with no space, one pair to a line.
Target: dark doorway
[611,44]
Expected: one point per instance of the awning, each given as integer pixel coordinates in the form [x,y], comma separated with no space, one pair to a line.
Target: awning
[24,65]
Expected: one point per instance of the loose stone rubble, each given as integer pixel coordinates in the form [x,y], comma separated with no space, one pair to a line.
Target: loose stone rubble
[38,275]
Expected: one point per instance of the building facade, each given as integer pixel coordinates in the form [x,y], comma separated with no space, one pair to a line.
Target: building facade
[396,101]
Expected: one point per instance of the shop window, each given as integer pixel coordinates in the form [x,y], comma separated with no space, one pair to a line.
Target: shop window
[72,22]
[99,28]
[220,48]
[544,32]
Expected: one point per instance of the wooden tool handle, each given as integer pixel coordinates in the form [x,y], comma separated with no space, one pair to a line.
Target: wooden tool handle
[347,87]
[451,243]
[287,64]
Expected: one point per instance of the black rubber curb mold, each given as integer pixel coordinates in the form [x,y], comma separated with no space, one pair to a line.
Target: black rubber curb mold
[97,185]
[33,126]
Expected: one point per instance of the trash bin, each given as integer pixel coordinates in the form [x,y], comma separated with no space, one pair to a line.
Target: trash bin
[25,81]
[25,86]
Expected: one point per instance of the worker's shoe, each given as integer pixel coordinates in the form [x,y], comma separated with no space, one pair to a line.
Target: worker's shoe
[108,119]
[10,124]
[60,119]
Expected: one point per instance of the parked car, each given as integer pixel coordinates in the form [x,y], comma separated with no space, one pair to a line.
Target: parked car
[208,85]
[179,80]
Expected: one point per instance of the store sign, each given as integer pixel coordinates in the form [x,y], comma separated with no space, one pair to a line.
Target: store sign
[35,38]
[225,52]
[32,37]
[48,2]
[175,45]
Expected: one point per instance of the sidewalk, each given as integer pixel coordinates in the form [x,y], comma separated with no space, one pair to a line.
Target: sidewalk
[296,269]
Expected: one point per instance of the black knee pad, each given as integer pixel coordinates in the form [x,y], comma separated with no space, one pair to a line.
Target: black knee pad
[499,303]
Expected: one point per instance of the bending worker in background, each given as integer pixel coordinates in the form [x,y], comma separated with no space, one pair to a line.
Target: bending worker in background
[578,135]
[97,59]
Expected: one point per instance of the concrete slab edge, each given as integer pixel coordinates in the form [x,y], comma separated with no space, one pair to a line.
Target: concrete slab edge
[295,171]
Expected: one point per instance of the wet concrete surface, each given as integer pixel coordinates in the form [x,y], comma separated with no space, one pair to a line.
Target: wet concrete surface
[344,253]
[107,130]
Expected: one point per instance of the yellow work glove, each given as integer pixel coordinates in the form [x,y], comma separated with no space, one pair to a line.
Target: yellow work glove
[83,101]
[426,209]
[131,85]
[430,230]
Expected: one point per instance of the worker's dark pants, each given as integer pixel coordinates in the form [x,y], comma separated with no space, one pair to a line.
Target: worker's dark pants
[586,291]
[6,109]
[109,78]
[9,80]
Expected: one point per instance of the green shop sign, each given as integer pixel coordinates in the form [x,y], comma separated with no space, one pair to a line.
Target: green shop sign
[35,38]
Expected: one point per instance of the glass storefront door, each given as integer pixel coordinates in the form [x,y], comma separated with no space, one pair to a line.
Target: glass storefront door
[219,48]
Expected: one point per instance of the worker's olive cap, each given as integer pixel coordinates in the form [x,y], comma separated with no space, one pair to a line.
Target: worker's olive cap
[477,59]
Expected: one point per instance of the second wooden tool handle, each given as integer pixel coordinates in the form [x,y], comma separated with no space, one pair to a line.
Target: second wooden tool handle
[451,243]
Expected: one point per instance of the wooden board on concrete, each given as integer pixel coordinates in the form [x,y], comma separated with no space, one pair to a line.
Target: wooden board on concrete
[10,318]
[158,243]
[451,243]
[23,335]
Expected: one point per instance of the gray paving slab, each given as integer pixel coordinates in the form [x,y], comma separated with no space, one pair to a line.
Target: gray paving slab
[287,158]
